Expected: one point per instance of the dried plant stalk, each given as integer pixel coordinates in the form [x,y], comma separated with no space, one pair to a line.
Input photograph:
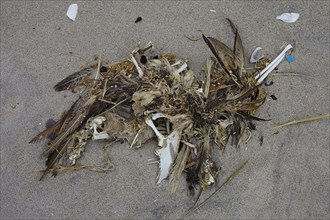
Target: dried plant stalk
[313,118]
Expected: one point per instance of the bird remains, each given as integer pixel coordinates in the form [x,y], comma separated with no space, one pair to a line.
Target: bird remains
[146,96]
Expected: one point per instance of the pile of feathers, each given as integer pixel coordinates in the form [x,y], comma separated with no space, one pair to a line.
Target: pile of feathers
[147,97]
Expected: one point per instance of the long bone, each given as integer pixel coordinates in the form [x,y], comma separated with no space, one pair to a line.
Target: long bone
[268,69]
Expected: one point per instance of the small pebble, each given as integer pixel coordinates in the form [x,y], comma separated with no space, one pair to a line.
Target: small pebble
[273,97]
[269,83]
[138,19]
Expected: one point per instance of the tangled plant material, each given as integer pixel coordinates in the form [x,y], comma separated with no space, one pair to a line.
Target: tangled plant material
[145,97]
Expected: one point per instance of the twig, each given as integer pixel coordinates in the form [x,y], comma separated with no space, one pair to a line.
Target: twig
[113,106]
[98,70]
[135,138]
[313,118]
[104,88]
[106,101]
[208,77]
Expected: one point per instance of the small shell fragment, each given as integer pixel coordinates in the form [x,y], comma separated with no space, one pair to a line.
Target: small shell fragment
[288,17]
[254,57]
[72,11]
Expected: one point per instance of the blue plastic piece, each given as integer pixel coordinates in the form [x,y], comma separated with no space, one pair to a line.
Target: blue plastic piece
[289,58]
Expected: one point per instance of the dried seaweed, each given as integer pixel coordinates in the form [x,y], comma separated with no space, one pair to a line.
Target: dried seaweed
[148,96]
[312,118]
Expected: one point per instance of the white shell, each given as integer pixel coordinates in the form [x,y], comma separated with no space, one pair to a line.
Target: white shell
[254,57]
[288,17]
[72,11]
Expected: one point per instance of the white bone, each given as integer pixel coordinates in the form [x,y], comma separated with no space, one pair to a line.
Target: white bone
[169,146]
[137,66]
[100,135]
[176,63]
[96,123]
[182,68]
[268,69]
[167,154]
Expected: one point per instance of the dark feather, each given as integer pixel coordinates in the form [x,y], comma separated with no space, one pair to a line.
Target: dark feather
[225,53]
[250,117]
[215,52]
[71,121]
[225,57]
[54,156]
[62,141]
[73,80]
[60,124]
[47,132]
[235,131]
[238,47]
